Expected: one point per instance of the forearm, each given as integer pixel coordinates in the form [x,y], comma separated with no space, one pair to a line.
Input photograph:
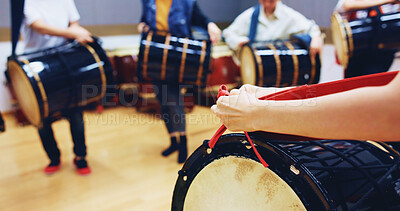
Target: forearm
[356,5]
[348,115]
[42,28]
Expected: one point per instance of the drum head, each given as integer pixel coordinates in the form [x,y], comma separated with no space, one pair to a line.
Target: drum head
[238,183]
[247,65]
[339,39]
[24,92]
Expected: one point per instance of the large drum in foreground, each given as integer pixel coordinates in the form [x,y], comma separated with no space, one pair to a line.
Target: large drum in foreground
[68,76]
[279,64]
[176,59]
[373,28]
[308,175]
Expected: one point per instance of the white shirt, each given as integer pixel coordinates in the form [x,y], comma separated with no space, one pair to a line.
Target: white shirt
[284,22]
[57,13]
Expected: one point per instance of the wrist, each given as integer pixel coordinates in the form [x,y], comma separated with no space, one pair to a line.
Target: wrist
[259,115]
[68,34]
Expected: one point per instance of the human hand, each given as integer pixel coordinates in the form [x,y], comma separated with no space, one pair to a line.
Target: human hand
[214,32]
[316,45]
[80,34]
[256,90]
[238,112]
[142,27]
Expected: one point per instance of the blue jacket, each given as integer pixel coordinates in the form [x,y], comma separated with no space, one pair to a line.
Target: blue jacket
[180,18]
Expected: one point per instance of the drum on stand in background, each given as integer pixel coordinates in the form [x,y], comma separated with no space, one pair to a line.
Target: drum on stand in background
[278,64]
[302,175]
[125,71]
[223,71]
[373,28]
[50,81]
[175,59]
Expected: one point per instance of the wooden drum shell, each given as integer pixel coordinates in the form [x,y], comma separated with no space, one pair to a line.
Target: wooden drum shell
[278,64]
[163,57]
[375,29]
[60,78]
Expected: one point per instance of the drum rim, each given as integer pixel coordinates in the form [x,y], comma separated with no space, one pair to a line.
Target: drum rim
[246,68]
[35,118]
[201,153]
[340,39]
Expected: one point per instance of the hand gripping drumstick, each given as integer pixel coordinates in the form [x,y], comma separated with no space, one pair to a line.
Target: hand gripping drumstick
[310,91]
[223,91]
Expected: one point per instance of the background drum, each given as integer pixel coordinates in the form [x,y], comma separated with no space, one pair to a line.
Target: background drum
[134,92]
[125,63]
[307,175]
[223,70]
[374,28]
[49,81]
[279,64]
[170,58]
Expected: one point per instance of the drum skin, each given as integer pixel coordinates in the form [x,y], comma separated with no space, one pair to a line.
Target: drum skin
[376,30]
[324,174]
[278,64]
[59,78]
[175,59]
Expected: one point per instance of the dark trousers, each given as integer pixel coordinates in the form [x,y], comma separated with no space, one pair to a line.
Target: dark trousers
[75,119]
[2,126]
[172,106]
[369,62]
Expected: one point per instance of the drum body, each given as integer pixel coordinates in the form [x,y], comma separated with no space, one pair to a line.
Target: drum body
[64,77]
[170,58]
[125,62]
[223,71]
[307,175]
[279,64]
[367,29]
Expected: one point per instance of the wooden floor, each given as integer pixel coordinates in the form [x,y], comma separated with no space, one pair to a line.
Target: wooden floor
[124,149]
